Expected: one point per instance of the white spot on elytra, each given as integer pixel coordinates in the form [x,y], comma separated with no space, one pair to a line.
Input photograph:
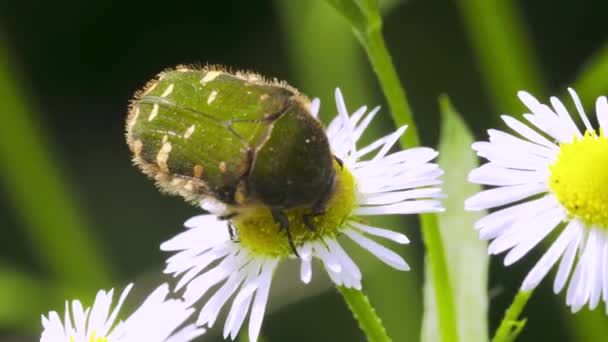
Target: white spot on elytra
[133,118]
[163,156]
[189,131]
[168,91]
[154,112]
[211,97]
[264,97]
[210,76]
[147,91]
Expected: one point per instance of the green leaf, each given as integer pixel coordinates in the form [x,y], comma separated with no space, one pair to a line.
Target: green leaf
[592,81]
[39,192]
[24,298]
[466,254]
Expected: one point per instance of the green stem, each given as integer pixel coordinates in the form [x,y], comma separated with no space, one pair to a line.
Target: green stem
[366,21]
[511,326]
[365,314]
[391,86]
[402,115]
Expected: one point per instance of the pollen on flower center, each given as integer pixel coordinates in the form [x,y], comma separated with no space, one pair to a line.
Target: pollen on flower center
[258,231]
[93,338]
[579,178]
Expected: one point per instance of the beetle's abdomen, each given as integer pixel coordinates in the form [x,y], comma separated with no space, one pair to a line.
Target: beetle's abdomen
[195,131]
[294,167]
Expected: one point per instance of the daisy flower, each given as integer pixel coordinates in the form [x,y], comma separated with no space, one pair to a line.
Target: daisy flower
[371,181]
[550,178]
[157,319]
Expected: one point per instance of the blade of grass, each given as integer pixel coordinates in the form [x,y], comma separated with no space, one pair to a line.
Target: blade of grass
[39,194]
[23,299]
[592,81]
[506,59]
[469,260]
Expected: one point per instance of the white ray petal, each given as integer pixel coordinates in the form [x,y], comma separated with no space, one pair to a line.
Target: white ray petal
[315,104]
[601,108]
[492,174]
[527,132]
[261,298]
[565,266]
[405,207]
[544,224]
[542,267]
[386,255]
[580,109]
[562,112]
[380,232]
[503,195]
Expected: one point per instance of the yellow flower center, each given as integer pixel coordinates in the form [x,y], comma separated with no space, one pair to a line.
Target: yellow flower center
[579,178]
[93,338]
[260,233]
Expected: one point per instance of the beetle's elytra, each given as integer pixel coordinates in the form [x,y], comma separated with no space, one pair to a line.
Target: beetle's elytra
[236,137]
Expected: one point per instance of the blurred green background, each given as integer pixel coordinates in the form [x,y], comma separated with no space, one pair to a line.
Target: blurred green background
[76,216]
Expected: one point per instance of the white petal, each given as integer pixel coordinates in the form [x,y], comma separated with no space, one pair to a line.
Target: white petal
[503,195]
[261,298]
[329,260]
[315,104]
[361,127]
[398,196]
[520,230]
[381,232]
[528,132]
[348,265]
[567,260]
[549,259]
[384,254]
[601,108]
[507,140]
[405,207]
[542,226]
[492,174]
[211,310]
[579,108]
[565,117]
[509,158]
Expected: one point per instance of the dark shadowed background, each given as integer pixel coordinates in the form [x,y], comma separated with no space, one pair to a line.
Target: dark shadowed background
[77,63]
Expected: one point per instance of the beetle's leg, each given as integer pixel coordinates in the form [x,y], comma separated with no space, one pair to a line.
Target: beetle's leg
[280,217]
[339,161]
[227,216]
[232,232]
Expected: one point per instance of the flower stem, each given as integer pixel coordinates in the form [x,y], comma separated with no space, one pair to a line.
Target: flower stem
[364,17]
[382,63]
[365,314]
[510,326]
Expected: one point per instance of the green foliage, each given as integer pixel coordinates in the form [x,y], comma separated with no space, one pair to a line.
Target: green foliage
[39,192]
[467,255]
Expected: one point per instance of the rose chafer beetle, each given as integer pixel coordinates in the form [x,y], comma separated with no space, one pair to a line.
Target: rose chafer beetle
[235,137]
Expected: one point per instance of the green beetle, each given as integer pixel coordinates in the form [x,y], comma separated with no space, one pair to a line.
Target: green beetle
[236,137]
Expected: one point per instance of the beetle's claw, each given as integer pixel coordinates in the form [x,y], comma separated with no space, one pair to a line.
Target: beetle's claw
[339,161]
[227,216]
[232,232]
[283,222]
[307,219]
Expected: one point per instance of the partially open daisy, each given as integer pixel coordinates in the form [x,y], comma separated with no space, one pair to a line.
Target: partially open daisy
[157,319]
[551,177]
[385,183]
